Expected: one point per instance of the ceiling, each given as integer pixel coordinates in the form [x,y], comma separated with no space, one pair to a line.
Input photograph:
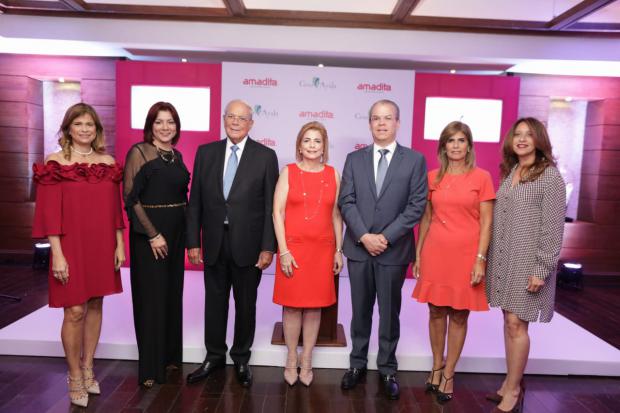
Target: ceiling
[548,17]
[470,36]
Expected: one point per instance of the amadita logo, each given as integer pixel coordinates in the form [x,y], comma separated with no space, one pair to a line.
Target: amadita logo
[317,83]
[374,87]
[262,112]
[266,82]
[323,114]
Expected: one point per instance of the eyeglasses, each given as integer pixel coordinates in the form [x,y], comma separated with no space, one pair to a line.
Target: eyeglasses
[241,119]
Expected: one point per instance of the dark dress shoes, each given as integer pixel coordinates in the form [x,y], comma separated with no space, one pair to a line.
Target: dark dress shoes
[352,377]
[390,386]
[202,372]
[244,374]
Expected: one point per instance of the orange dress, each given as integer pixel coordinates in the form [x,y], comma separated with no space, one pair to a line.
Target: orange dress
[310,238]
[451,244]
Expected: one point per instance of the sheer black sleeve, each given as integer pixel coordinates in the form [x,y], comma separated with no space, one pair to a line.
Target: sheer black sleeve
[133,182]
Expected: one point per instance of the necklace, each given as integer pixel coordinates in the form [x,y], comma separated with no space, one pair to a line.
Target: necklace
[166,156]
[307,216]
[82,153]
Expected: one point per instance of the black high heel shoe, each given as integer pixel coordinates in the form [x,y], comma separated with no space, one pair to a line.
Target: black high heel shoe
[441,396]
[517,408]
[430,387]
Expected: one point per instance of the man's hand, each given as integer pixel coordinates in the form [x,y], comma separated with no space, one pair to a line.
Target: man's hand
[375,244]
[195,256]
[264,260]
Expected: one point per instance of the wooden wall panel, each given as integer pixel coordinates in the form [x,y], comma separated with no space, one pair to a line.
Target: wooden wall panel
[611,137]
[595,114]
[591,236]
[71,68]
[611,112]
[15,190]
[593,137]
[575,86]
[21,140]
[14,165]
[21,115]
[99,92]
[20,89]
[16,239]
[16,214]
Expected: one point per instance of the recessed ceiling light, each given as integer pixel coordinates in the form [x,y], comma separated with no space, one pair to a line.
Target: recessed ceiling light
[568,99]
[453,71]
[321,65]
[184,60]
[61,79]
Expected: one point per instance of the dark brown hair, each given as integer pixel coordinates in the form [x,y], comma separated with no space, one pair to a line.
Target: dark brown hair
[64,137]
[152,115]
[317,126]
[543,151]
[449,131]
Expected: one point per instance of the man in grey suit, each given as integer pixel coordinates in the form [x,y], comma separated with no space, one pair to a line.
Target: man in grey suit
[382,196]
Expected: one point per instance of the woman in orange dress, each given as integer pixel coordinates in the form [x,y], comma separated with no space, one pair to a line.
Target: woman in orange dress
[78,209]
[451,251]
[308,228]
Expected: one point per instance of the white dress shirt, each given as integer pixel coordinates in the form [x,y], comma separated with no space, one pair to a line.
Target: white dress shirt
[377,155]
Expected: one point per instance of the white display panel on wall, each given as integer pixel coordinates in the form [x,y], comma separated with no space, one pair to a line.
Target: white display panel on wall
[483,116]
[285,97]
[192,103]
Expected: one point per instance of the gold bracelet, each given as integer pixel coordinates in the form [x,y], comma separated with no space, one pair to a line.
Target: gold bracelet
[482,257]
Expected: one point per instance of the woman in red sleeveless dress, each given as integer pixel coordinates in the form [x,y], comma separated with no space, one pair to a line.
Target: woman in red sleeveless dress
[78,209]
[308,228]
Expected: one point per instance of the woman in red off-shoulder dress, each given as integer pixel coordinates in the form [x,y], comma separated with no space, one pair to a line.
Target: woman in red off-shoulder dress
[78,209]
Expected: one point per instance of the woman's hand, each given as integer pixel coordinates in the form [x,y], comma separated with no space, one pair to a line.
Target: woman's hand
[337,262]
[416,269]
[60,268]
[119,257]
[287,262]
[477,273]
[159,246]
[534,284]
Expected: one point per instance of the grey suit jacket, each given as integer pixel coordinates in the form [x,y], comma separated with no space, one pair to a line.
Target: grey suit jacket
[393,213]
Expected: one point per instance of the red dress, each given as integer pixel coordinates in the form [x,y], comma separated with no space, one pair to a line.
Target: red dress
[80,203]
[451,244]
[311,240]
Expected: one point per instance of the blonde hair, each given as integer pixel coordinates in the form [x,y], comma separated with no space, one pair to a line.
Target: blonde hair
[449,131]
[64,137]
[317,126]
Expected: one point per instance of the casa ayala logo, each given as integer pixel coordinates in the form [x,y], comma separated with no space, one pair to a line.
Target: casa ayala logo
[262,112]
[374,87]
[264,82]
[317,83]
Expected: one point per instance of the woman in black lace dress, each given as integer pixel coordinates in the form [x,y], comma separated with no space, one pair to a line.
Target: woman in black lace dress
[155,192]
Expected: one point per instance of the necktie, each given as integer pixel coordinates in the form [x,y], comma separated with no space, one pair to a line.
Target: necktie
[381,169]
[231,169]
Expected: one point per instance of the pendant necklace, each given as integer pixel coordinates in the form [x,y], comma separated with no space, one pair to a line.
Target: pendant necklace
[166,156]
[307,216]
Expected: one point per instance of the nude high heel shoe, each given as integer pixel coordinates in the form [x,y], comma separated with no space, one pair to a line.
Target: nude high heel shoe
[77,392]
[90,384]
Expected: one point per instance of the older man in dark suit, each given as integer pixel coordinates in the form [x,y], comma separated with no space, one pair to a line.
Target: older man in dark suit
[231,202]
[382,196]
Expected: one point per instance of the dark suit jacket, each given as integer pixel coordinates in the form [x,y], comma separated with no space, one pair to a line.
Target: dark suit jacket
[393,213]
[249,206]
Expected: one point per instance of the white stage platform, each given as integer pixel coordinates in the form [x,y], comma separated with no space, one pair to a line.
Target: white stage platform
[560,347]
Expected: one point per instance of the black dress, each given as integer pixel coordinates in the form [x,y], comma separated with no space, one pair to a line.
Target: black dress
[155,192]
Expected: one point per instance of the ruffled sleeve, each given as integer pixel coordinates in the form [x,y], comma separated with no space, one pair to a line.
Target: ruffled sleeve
[48,206]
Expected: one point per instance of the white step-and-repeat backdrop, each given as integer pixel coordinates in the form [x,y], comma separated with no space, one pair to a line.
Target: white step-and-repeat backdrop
[286,97]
